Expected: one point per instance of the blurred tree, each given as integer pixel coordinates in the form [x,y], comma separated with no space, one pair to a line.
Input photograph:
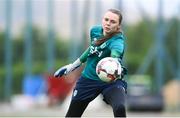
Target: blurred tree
[139,40]
[2,35]
[171,36]
[39,56]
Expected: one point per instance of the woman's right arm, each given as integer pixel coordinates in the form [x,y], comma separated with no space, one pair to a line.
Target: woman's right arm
[84,56]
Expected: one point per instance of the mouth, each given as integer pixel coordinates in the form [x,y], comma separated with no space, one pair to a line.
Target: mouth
[106,28]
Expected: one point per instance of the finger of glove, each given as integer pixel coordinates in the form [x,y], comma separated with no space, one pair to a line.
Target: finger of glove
[60,72]
[68,68]
[119,71]
[124,71]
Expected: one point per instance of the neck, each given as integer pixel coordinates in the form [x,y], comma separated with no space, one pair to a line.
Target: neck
[104,33]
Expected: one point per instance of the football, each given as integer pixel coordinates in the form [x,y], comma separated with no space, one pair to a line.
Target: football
[108,69]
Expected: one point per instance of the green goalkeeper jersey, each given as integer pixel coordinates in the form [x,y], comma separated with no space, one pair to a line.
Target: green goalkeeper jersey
[113,47]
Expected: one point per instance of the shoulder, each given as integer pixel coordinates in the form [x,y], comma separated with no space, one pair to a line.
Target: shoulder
[120,36]
[96,31]
[96,28]
[118,40]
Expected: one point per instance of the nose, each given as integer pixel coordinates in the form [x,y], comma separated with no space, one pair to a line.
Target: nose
[107,22]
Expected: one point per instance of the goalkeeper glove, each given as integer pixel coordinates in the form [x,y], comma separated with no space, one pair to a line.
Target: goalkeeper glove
[122,71]
[67,68]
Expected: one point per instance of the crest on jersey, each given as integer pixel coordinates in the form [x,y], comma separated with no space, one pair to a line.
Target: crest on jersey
[75,93]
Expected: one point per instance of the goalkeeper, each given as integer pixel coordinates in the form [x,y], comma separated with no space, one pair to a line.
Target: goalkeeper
[106,40]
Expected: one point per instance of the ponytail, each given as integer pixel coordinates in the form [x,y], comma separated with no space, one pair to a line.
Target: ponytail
[104,39]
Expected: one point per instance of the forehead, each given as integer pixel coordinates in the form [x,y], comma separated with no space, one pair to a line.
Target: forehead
[111,16]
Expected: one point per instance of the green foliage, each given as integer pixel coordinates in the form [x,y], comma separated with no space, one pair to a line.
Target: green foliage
[39,57]
[171,38]
[2,47]
[140,38]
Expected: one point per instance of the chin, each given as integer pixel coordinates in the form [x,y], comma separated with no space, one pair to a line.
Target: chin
[108,32]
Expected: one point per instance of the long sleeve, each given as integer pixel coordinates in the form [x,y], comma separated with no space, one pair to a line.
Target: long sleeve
[84,55]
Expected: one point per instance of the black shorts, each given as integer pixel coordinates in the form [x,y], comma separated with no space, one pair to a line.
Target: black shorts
[88,89]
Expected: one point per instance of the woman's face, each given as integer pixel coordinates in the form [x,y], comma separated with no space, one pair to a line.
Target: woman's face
[110,23]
